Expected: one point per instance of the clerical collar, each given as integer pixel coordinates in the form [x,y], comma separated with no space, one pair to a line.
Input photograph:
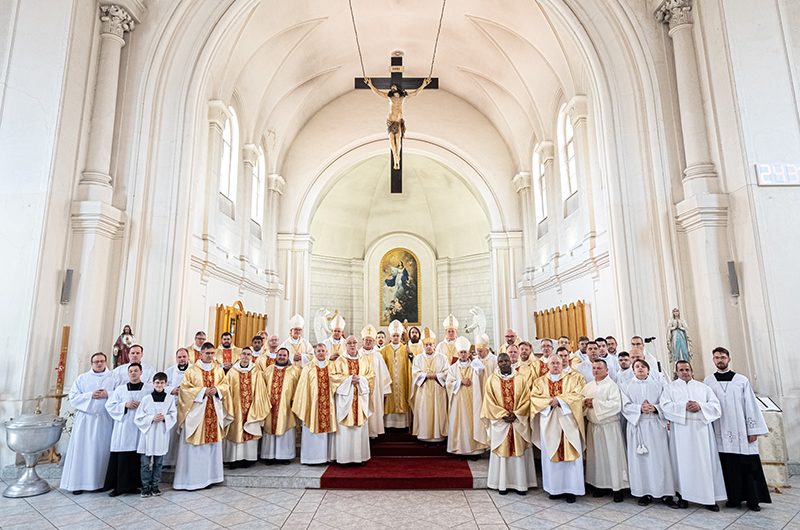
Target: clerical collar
[182,369]
[158,397]
[725,376]
[395,347]
[505,376]
[464,364]
[279,367]
[337,341]
[272,354]
[195,347]
[347,356]
[554,377]
[245,369]
[256,352]
[135,386]
[295,341]
[206,366]
[101,373]
[321,364]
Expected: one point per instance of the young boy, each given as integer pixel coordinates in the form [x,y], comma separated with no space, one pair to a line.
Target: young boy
[155,416]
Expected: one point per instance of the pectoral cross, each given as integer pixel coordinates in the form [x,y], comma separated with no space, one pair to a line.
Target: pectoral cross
[411,84]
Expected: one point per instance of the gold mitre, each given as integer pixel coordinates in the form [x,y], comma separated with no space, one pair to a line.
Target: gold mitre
[450,322]
[297,322]
[462,343]
[395,326]
[369,331]
[428,336]
[482,341]
[338,322]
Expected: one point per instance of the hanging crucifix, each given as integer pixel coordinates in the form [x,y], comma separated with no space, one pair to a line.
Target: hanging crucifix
[398,88]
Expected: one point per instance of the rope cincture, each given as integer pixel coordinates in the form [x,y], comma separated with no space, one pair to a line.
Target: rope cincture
[358,44]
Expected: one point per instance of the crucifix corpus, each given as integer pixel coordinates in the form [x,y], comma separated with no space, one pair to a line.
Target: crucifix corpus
[397,89]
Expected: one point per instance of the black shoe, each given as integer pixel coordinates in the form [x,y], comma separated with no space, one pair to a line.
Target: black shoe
[77,492]
[503,492]
[598,493]
[570,498]
[114,493]
[521,492]
[732,504]
[753,507]
[619,496]
[556,497]
[156,492]
[712,508]
[645,501]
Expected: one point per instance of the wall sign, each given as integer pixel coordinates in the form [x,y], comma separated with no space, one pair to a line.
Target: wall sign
[778,174]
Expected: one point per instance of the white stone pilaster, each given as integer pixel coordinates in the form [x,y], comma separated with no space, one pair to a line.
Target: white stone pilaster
[275,187]
[295,254]
[217,114]
[578,112]
[523,188]
[505,254]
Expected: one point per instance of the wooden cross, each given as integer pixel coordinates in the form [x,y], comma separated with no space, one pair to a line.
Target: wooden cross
[404,83]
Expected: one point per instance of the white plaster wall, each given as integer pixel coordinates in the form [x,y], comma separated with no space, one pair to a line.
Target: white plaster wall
[338,283]
[464,283]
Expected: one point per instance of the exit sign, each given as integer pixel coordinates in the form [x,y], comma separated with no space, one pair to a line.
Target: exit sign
[778,174]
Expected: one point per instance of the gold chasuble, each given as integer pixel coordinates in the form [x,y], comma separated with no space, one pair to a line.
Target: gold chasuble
[506,394]
[400,371]
[280,385]
[340,370]
[229,355]
[247,404]
[204,422]
[314,400]
[264,361]
[415,347]
[563,434]
[524,369]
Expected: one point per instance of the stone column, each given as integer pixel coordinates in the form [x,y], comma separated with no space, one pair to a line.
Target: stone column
[546,150]
[702,216]
[275,186]
[217,114]
[95,182]
[523,188]
[504,255]
[245,204]
[579,114]
[295,251]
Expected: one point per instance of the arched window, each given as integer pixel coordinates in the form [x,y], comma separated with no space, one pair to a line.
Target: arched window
[257,190]
[566,144]
[229,161]
[539,188]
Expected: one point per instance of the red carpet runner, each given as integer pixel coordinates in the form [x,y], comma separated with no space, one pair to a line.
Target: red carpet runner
[385,473]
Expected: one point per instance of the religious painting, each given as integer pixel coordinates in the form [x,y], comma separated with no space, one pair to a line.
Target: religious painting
[399,276]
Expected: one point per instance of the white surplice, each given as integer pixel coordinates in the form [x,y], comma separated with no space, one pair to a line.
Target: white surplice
[649,463]
[352,443]
[606,465]
[693,448]
[301,346]
[383,387]
[741,415]
[90,442]
[174,379]
[283,447]
[121,377]
[125,436]
[467,433]
[155,436]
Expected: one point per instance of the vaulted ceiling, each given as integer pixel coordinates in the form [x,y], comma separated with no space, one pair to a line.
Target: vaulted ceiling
[506,58]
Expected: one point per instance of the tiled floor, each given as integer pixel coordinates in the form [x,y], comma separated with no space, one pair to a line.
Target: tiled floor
[257,508]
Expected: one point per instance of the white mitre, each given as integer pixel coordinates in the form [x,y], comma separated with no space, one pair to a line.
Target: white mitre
[483,340]
[428,336]
[338,322]
[369,331]
[297,322]
[462,343]
[395,326]
[450,322]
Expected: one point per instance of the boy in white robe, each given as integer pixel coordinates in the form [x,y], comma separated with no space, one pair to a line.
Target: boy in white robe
[737,432]
[123,474]
[155,417]
[606,467]
[89,445]
[649,464]
[467,433]
[691,407]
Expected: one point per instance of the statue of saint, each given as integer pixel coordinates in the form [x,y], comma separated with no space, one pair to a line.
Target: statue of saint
[395,124]
[678,340]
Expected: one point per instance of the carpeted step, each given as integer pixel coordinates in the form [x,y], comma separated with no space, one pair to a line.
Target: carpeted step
[400,473]
[404,444]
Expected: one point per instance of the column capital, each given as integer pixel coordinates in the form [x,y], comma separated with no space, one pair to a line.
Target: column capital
[578,109]
[250,154]
[546,150]
[521,181]
[115,20]
[675,13]
[276,183]
[217,113]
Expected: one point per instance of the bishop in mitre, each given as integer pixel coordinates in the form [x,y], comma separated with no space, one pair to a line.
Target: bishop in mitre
[467,433]
[428,396]
[300,350]
[314,404]
[606,465]
[507,406]
[353,380]
[397,359]
[202,418]
[248,408]
[557,412]
[335,344]
[280,379]
[447,347]
[382,380]
[414,344]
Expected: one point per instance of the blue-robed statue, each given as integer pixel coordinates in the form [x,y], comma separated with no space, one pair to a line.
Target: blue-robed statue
[678,340]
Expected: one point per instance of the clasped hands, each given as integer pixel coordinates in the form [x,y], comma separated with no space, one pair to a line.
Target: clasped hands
[100,393]
[158,417]
[692,406]
[210,391]
[510,418]
[132,405]
[648,408]
[588,402]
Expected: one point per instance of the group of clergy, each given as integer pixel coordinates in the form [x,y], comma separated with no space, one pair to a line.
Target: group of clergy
[599,417]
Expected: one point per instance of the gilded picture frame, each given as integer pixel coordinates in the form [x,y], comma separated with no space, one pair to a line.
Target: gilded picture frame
[399,287]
